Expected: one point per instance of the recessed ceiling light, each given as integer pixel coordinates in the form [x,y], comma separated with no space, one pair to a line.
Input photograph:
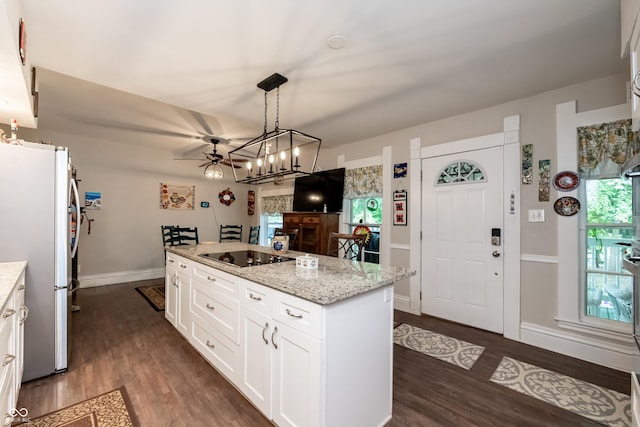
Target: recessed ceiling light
[336,41]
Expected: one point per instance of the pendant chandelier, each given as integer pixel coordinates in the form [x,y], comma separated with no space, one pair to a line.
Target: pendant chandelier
[275,155]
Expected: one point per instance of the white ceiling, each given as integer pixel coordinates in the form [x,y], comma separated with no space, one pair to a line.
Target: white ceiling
[405,62]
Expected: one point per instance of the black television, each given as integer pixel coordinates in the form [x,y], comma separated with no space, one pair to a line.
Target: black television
[312,192]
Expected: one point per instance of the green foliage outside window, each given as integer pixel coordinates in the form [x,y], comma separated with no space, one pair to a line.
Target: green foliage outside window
[366,210]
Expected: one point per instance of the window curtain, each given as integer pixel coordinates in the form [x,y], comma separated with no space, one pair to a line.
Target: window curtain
[363,182]
[603,148]
[272,205]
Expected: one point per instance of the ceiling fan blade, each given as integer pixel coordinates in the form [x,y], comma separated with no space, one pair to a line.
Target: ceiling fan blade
[226,162]
[205,164]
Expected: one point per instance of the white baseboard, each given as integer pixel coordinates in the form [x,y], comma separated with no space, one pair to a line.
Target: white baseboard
[403,303]
[591,349]
[94,280]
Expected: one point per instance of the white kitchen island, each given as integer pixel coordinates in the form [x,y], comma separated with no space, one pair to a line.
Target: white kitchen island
[307,348]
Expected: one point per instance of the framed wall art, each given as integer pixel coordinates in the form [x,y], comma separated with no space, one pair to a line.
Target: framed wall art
[400,207]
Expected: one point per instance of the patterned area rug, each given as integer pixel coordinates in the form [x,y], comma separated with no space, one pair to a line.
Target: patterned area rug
[154,294]
[597,403]
[451,350]
[112,409]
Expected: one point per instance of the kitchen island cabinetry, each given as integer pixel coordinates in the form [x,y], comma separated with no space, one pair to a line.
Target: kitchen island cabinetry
[305,349]
[314,229]
[177,283]
[14,314]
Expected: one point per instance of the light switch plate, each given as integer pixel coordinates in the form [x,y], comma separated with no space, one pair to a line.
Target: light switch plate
[536,215]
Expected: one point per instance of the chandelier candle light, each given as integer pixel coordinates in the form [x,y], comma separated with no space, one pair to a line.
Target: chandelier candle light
[298,151]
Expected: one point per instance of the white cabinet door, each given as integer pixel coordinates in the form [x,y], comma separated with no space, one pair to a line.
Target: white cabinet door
[255,341]
[297,378]
[171,288]
[183,318]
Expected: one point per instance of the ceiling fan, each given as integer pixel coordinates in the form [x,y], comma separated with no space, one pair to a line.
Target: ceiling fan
[212,167]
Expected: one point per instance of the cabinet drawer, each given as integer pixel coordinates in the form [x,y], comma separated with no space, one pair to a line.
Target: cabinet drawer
[257,297]
[177,262]
[292,219]
[311,220]
[216,348]
[220,280]
[216,309]
[300,314]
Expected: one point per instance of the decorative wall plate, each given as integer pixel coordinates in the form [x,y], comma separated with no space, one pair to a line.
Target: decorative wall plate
[363,229]
[566,181]
[566,206]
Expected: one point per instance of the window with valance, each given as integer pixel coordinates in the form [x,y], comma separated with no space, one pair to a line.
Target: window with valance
[603,148]
[363,182]
[273,205]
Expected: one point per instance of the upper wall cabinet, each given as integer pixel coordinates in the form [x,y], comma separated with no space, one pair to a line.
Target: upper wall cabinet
[630,36]
[628,17]
[15,84]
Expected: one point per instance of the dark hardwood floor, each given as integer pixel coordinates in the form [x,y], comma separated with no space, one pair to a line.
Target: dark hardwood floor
[118,339]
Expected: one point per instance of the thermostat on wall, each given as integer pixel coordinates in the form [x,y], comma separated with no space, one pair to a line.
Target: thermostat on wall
[204,204]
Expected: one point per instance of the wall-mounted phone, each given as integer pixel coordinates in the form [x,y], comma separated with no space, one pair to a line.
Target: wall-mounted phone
[495,237]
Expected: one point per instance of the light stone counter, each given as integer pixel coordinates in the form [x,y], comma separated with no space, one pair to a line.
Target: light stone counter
[9,274]
[336,280]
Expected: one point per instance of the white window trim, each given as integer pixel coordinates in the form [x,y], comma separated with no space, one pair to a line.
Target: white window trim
[387,176]
[568,228]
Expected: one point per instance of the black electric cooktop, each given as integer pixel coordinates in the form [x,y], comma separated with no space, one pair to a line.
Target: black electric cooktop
[246,258]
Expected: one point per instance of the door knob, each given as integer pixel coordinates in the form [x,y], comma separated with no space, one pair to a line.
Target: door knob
[496,254]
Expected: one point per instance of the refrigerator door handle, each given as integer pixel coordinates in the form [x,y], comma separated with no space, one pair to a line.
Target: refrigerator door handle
[74,187]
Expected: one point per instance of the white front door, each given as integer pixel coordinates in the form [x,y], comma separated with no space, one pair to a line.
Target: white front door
[462,260]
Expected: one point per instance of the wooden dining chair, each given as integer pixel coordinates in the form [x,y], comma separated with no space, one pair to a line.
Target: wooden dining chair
[254,235]
[291,232]
[230,233]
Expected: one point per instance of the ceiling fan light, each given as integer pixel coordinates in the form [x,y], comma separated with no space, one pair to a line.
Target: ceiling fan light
[213,171]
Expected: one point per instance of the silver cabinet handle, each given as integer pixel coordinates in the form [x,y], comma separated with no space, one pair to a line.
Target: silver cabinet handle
[255,298]
[635,87]
[22,287]
[273,335]
[291,314]
[212,279]
[8,358]
[210,307]
[210,344]
[265,329]
[176,281]
[25,313]
[8,313]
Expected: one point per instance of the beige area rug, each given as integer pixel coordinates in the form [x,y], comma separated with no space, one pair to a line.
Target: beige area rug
[597,403]
[154,294]
[112,409]
[450,350]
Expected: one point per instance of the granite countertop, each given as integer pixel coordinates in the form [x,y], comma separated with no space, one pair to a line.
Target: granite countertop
[9,274]
[336,278]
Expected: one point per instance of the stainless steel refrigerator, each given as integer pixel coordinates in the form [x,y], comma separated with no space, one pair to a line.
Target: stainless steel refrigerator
[38,220]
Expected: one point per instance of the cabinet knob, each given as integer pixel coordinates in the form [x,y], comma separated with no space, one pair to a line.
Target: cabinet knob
[210,344]
[255,298]
[210,307]
[212,279]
